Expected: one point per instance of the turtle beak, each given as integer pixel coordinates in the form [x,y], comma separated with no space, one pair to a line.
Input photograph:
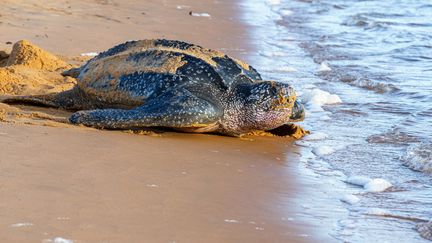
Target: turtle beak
[298,112]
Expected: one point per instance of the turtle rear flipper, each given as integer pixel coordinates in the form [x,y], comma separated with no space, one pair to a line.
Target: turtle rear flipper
[69,100]
[179,110]
[39,100]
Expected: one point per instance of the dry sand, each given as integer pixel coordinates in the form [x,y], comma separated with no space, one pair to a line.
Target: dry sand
[107,186]
[28,69]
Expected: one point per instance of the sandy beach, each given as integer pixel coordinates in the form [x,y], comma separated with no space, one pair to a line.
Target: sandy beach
[88,185]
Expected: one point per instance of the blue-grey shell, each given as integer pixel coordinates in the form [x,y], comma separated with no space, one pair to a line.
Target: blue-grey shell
[134,71]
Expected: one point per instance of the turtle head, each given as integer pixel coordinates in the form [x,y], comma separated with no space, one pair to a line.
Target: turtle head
[267,105]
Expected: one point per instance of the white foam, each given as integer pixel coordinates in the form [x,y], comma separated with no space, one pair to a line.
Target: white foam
[89,54]
[309,86]
[286,12]
[358,180]
[323,150]
[274,2]
[206,15]
[324,118]
[377,211]
[370,185]
[316,98]
[315,136]
[324,67]
[273,53]
[350,199]
[313,108]
[377,185]
[152,185]
[347,223]
[286,69]
[17,225]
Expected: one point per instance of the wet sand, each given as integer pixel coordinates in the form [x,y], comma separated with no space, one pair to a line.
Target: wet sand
[95,186]
[108,186]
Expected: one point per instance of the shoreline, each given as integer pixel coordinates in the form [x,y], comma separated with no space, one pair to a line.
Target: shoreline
[89,185]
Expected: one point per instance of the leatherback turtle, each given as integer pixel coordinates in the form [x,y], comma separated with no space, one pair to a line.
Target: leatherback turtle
[174,84]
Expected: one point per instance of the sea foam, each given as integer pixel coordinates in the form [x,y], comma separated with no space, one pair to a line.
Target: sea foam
[350,199]
[370,185]
[377,185]
[286,69]
[315,136]
[274,2]
[285,12]
[314,99]
[377,211]
[358,180]
[323,150]
[324,67]
[273,53]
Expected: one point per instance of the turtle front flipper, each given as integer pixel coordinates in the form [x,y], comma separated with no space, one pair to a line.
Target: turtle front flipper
[176,109]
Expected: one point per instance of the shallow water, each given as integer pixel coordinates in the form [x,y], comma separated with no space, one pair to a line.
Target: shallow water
[376,56]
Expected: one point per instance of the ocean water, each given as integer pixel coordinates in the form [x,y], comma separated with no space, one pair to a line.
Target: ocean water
[363,69]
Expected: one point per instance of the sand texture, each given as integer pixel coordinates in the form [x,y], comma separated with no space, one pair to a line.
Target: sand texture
[88,185]
[29,69]
[94,186]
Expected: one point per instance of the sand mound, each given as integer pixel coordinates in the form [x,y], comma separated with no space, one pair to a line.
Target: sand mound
[28,69]
[26,54]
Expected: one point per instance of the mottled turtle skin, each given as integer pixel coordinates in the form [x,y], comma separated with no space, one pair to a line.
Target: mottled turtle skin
[174,84]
